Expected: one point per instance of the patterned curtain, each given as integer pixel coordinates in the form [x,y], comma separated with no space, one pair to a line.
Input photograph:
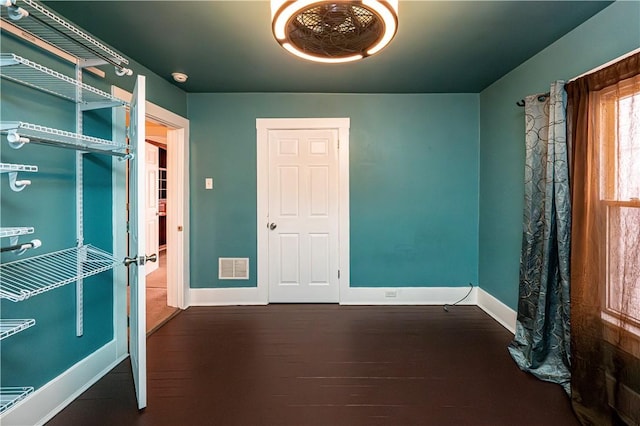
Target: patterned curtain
[542,339]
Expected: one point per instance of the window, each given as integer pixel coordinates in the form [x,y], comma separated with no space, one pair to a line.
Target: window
[618,129]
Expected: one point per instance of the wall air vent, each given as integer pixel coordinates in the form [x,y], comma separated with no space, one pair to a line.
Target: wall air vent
[233,268]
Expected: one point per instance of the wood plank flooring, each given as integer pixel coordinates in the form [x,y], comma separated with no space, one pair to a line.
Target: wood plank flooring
[326,365]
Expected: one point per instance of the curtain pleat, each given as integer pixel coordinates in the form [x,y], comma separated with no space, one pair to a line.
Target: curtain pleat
[541,344]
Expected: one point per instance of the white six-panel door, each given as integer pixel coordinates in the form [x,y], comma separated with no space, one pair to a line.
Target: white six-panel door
[303,216]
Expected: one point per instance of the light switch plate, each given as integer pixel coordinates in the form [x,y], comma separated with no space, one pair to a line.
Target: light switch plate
[208,183]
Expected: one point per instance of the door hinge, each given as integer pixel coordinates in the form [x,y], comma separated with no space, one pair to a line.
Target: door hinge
[338,273]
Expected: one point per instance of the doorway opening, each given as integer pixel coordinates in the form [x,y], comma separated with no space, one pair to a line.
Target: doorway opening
[158,309]
[177,219]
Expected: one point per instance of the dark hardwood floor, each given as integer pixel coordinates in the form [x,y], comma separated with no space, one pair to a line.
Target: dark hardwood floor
[326,365]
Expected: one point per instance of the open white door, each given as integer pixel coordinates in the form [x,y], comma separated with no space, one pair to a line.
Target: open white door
[137,243]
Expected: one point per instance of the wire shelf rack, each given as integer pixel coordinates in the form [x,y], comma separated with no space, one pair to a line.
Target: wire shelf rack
[9,327]
[31,74]
[10,396]
[8,167]
[46,135]
[15,231]
[22,279]
[46,25]
[12,170]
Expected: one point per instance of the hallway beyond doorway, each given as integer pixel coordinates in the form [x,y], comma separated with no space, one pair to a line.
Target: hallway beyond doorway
[158,312]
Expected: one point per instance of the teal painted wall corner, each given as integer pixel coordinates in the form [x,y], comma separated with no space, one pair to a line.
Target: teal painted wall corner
[606,36]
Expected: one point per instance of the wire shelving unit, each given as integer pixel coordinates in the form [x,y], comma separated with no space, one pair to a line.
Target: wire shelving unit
[27,132]
[25,278]
[51,28]
[9,327]
[10,396]
[9,168]
[34,75]
[12,170]
[15,231]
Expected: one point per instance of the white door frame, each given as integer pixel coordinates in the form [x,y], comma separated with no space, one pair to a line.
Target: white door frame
[177,213]
[263,126]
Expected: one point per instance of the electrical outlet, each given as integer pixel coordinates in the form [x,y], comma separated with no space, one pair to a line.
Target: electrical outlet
[390,293]
[208,183]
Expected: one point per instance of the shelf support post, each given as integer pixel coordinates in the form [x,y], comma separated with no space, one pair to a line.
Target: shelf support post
[79,211]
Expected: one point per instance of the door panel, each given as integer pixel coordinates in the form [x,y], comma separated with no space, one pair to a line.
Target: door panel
[137,243]
[320,259]
[289,191]
[303,216]
[319,194]
[152,214]
[289,259]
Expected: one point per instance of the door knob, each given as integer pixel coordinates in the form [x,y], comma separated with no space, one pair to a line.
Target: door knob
[130,260]
[141,260]
[273,226]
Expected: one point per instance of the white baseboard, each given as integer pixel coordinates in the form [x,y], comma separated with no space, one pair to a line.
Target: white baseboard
[50,399]
[370,296]
[350,296]
[226,296]
[497,310]
[407,295]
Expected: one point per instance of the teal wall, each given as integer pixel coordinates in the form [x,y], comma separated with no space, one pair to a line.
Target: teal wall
[413,190]
[159,91]
[613,32]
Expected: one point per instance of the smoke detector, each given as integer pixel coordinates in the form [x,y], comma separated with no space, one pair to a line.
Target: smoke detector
[179,77]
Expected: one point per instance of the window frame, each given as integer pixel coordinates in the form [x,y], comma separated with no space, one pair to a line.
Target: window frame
[605,114]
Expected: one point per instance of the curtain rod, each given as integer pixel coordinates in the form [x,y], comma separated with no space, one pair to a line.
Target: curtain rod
[541,98]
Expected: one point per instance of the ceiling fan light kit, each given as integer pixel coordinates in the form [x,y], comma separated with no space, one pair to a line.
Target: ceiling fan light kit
[334,31]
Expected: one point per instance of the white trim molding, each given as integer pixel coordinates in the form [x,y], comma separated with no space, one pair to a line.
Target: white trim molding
[500,312]
[178,200]
[408,296]
[263,126]
[497,310]
[227,296]
[352,296]
[50,399]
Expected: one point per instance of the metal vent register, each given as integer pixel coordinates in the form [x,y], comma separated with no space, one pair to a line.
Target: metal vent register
[233,268]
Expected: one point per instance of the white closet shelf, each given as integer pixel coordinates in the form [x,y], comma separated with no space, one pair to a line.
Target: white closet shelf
[15,231]
[22,279]
[46,25]
[8,167]
[13,169]
[10,396]
[9,327]
[46,135]
[34,75]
